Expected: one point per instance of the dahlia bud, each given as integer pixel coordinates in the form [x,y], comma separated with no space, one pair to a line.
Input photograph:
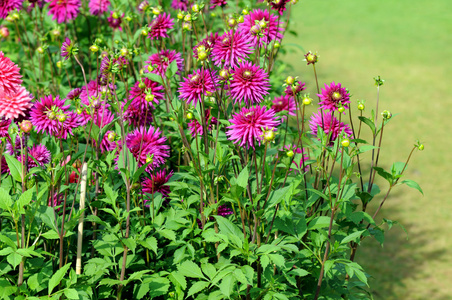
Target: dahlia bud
[180,15]
[142,85]
[311,58]
[59,64]
[150,68]
[202,55]
[290,80]
[9,18]
[245,12]
[195,8]
[16,16]
[277,45]
[269,136]
[111,136]
[379,81]
[136,186]
[94,48]
[150,159]
[262,24]
[124,51]
[115,15]
[149,98]
[79,111]
[241,19]
[341,109]
[232,22]
[361,106]
[52,115]
[4,32]
[189,116]
[62,118]
[421,147]
[345,143]
[187,18]
[56,32]
[255,30]
[26,126]
[224,74]
[306,100]
[186,26]
[289,153]
[386,114]
[144,32]
[213,15]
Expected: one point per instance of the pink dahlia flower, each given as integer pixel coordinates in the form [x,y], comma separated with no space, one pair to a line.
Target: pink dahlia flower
[66,48]
[148,145]
[330,125]
[180,4]
[208,43]
[15,104]
[215,3]
[40,153]
[249,83]
[159,26]
[290,91]
[160,62]
[93,97]
[249,125]
[4,165]
[64,10]
[8,5]
[231,47]
[333,96]
[4,125]
[270,32]
[196,128]
[9,75]
[115,23]
[138,94]
[156,184]
[98,7]
[279,5]
[201,83]
[136,116]
[284,103]
[52,116]
[304,157]
[74,94]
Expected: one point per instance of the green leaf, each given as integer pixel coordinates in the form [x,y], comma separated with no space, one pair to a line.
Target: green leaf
[197,287]
[150,243]
[368,122]
[384,174]
[227,285]
[5,200]
[71,293]
[154,77]
[242,179]
[178,279]
[277,259]
[413,185]
[231,230]
[8,241]
[14,259]
[352,237]
[320,222]
[25,199]
[15,167]
[169,234]
[299,272]
[57,277]
[190,269]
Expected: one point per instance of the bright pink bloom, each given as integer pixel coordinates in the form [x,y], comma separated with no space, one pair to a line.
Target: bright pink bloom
[66,48]
[279,5]
[8,5]
[329,124]
[180,4]
[249,83]
[9,75]
[98,7]
[196,128]
[15,104]
[40,153]
[64,10]
[284,103]
[201,83]
[270,32]
[159,26]
[249,125]
[215,3]
[115,23]
[138,94]
[156,184]
[160,62]
[4,125]
[148,145]
[208,43]
[298,89]
[333,96]
[231,47]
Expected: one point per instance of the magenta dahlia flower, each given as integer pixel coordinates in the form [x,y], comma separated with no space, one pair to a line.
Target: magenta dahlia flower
[10,78]
[249,83]
[231,47]
[201,83]
[330,125]
[160,62]
[208,43]
[8,5]
[292,91]
[249,125]
[52,116]
[64,10]
[143,6]
[4,166]
[98,7]
[180,4]
[215,3]
[140,90]
[74,94]
[196,128]
[333,96]
[4,125]
[284,103]
[156,184]
[16,149]
[303,158]
[114,21]
[40,153]
[66,48]
[279,5]
[136,116]
[92,94]
[148,145]
[159,26]
[15,104]
[270,32]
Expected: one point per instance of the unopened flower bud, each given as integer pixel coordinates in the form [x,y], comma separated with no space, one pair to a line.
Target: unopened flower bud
[180,15]
[124,52]
[255,29]
[150,68]
[232,22]
[79,111]
[156,11]
[136,186]
[94,48]
[187,18]
[421,147]
[144,32]
[213,15]
[311,58]
[245,12]
[111,136]
[224,74]
[202,55]
[128,18]
[142,85]
[386,114]
[345,142]
[269,136]
[306,100]
[289,153]
[62,118]
[149,98]
[186,26]
[277,45]
[59,64]
[40,50]
[56,32]
[290,80]
[9,18]
[149,159]
[361,106]
[241,19]
[189,116]
[52,115]
[26,126]
[341,109]
[262,24]
[16,16]
[115,15]
[195,8]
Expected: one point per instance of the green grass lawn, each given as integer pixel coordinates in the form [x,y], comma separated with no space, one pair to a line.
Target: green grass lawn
[409,44]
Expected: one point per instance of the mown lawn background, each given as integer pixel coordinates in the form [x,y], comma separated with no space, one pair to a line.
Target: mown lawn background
[409,44]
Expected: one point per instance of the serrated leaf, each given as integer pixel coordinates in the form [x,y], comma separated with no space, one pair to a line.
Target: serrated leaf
[169,234]
[5,200]
[150,243]
[277,259]
[320,222]
[413,185]
[299,272]
[57,277]
[15,167]
[352,237]
[190,269]
[229,229]
[71,293]
[265,260]
[25,199]
[14,259]
[242,179]
[197,287]
[178,279]
[227,285]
